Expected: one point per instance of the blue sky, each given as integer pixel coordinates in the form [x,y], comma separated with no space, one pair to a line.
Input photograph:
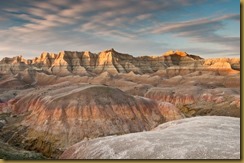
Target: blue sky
[209,28]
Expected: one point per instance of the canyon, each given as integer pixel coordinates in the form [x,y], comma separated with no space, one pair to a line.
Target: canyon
[78,105]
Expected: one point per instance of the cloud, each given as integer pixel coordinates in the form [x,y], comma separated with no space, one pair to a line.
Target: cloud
[201,30]
[44,6]
[193,25]
[46,14]
[211,52]
[123,20]
[31,26]
[144,16]
[4,48]
[2,19]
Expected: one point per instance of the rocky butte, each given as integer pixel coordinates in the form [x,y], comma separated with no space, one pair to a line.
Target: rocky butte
[84,105]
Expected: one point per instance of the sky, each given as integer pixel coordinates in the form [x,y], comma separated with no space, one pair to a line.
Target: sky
[209,28]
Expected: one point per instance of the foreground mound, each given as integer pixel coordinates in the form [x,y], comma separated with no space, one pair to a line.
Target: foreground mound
[61,116]
[192,138]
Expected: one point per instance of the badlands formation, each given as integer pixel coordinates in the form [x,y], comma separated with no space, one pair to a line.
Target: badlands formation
[190,138]
[82,105]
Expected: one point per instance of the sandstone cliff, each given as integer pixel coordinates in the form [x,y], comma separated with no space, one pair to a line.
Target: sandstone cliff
[87,63]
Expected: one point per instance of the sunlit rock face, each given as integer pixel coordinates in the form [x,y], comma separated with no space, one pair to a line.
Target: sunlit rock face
[86,63]
[13,65]
[191,138]
[66,63]
[223,66]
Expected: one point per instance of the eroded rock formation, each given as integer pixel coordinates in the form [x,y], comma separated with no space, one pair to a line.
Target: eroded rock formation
[61,116]
[191,138]
[84,63]
[55,100]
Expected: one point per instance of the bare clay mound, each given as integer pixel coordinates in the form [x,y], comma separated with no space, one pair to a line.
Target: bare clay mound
[62,116]
[200,94]
[207,137]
